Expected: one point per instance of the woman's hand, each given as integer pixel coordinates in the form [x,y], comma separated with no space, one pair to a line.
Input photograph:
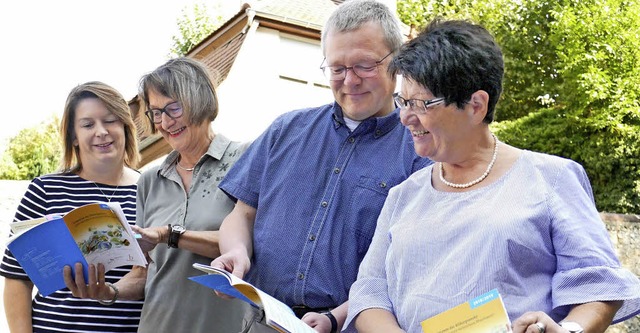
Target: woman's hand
[536,322]
[95,288]
[150,237]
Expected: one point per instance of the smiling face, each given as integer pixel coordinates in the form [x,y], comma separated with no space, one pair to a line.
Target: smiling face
[438,133]
[99,134]
[361,98]
[180,135]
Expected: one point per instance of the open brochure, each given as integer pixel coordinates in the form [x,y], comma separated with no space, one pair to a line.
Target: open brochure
[483,314]
[277,315]
[90,234]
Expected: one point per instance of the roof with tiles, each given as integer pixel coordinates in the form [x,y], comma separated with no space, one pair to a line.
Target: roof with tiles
[221,59]
[314,12]
[304,13]
[219,56]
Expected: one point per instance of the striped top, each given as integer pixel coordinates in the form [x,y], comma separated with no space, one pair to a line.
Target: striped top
[60,311]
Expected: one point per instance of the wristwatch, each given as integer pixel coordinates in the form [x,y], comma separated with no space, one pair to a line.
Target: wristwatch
[175,232]
[572,326]
[334,322]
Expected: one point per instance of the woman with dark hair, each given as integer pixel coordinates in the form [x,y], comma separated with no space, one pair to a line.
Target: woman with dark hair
[486,215]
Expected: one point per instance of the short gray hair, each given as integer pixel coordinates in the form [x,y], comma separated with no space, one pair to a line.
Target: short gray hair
[353,14]
[185,80]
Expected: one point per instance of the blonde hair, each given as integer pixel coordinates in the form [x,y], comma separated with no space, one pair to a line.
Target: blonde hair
[116,104]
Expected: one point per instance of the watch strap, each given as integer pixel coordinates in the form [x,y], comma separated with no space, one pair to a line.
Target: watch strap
[334,322]
[174,235]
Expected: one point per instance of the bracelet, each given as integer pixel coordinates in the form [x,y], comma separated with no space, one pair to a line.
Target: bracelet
[334,322]
[115,296]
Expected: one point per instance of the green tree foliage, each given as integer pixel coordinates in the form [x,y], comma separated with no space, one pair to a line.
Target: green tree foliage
[571,82]
[32,152]
[195,24]
[596,117]
[520,27]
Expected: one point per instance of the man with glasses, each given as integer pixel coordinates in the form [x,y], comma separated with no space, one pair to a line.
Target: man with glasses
[310,188]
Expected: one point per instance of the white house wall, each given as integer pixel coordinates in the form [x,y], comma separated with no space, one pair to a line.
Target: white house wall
[272,74]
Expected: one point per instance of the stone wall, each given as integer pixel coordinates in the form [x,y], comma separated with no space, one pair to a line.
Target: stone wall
[625,235]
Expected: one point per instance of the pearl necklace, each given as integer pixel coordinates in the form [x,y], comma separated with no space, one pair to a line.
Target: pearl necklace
[479,179]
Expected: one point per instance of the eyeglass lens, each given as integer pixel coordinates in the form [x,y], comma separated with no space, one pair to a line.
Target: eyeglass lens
[173,110]
[364,70]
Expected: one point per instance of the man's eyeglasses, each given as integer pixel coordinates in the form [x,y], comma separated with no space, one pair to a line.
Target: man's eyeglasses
[173,110]
[418,106]
[364,70]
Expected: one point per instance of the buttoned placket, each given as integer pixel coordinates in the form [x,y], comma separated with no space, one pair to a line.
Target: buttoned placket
[174,176]
[321,214]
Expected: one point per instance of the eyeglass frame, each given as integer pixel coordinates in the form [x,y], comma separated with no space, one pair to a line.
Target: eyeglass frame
[151,116]
[406,103]
[355,68]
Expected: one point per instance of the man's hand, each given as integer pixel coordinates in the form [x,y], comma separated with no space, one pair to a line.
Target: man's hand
[317,321]
[236,262]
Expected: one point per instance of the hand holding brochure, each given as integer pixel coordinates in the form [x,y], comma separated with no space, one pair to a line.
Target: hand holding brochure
[90,234]
[483,314]
[277,315]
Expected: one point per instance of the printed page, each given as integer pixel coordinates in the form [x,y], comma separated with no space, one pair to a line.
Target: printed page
[281,317]
[483,314]
[19,227]
[277,314]
[225,282]
[103,235]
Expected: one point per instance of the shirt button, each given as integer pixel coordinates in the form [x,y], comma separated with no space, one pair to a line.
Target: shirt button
[300,276]
[383,184]
[378,132]
[336,170]
[352,140]
[324,204]
[312,237]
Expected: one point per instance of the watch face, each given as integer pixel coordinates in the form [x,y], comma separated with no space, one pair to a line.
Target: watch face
[572,327]
[178,228]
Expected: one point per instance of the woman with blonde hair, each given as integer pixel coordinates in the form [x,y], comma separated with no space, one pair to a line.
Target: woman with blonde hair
[180,209]
[100,152]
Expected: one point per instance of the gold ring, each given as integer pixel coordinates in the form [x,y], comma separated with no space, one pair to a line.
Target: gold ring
[540,327]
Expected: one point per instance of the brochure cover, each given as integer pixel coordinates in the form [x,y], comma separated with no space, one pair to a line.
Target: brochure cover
[483,314]
[90,234]
[277,314]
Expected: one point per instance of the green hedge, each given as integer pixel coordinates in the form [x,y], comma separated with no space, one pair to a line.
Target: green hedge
[609,151]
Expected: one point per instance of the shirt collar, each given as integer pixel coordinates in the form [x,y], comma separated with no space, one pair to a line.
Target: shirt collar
[216,149]
[378,125]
